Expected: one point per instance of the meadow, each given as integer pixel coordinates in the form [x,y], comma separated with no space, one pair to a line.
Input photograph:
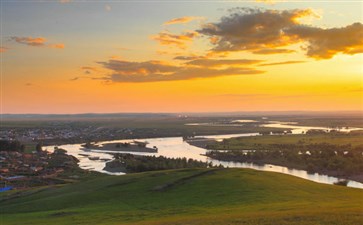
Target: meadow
[187,196]
[266,141]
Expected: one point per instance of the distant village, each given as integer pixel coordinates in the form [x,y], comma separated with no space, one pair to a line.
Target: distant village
[62,134]
[24,164]
[19,169]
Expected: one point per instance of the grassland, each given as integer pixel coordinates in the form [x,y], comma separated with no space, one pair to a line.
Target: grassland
[324,120]
[135,120]
[193,196]
[102,127]
[121,127]
[334,154]
[264,142]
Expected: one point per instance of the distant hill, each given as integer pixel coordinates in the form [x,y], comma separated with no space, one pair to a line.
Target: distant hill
[193,114]
[84,116]
[188,196]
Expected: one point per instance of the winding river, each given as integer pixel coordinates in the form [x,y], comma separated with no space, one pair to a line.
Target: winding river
[174,147]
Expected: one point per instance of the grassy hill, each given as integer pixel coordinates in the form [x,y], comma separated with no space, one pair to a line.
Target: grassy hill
[188,196]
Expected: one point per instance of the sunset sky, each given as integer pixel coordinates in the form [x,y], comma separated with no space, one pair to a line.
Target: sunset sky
[180,56]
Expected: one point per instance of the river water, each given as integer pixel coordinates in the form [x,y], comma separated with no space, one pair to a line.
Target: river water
[174,147]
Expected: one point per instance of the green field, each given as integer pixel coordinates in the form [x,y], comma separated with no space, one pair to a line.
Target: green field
[338,120]
[194,196]
[142,127]
[263,142]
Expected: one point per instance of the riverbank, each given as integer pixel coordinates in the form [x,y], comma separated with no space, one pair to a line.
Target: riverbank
[332,154]
[291,165]
[177,148]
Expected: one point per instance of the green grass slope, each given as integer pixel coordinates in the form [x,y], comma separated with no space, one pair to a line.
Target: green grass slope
[194,196]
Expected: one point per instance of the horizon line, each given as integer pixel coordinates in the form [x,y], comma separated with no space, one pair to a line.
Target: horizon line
[199,112]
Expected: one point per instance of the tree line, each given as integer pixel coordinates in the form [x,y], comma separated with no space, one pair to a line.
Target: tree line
[136,163]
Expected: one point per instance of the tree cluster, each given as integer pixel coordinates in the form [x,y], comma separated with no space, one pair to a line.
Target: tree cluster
[60,159]
[6,145]
[136,163]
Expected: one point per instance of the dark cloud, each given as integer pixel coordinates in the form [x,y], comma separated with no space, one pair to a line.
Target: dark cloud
[325,43]
[187,58]
[268,51]
[74,79]
[89,68]
[132,68]
[253,29]
[84,77]
[281,63]
[153,71]
[222,62]
[265,31]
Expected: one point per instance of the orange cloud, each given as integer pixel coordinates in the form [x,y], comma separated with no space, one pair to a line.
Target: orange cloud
[173,53]
[185,19]
[325,43]
[123,49]
[3,49]
[36,42]
[179,40]
[281,63]
[115,57]
[59,46]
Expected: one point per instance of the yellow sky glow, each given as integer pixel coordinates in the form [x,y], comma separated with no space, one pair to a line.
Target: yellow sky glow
[75,72]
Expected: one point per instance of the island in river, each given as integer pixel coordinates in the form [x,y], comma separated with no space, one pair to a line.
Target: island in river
[128,163]
[135,146]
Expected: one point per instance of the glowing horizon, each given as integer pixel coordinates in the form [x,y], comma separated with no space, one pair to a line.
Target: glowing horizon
[105,57]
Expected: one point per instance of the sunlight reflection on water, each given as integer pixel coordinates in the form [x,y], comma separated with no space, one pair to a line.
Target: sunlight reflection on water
[174,147]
